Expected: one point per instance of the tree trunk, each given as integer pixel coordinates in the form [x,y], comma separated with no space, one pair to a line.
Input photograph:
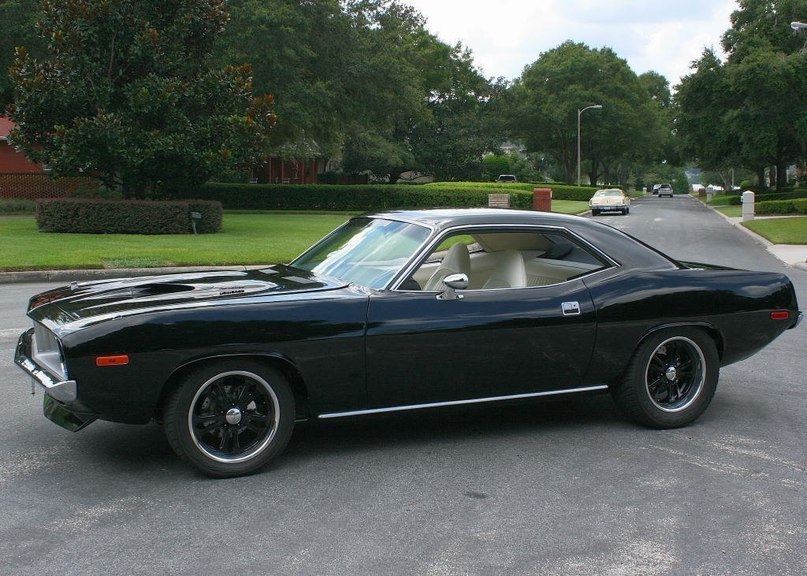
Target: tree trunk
[760,176]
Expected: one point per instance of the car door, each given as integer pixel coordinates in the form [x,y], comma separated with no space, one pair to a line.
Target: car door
[490,342]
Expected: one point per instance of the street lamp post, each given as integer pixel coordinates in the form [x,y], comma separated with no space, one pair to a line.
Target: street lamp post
[579,112]
[798,25]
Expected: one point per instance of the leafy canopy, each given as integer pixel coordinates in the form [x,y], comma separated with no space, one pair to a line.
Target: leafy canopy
[127,92]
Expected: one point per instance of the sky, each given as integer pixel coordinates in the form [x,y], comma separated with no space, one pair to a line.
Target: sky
[664,36]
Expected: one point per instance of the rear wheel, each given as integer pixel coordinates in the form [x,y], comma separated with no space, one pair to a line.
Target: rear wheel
[231,417]
[671,379]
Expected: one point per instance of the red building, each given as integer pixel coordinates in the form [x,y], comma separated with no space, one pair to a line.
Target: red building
[22,179]
[12,161]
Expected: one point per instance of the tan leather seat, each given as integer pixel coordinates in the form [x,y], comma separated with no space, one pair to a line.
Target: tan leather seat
[509,272]
[457,261]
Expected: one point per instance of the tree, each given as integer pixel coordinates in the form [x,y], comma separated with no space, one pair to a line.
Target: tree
[19,29]
[363,82]
[128,94]
[302,53]
[703,123]
[451,144]
[750,111]
[569,78]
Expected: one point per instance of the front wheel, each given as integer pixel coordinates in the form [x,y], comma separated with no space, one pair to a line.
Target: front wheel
[229,418]
[671,379]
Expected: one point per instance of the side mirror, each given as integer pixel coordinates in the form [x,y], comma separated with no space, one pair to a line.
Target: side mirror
[452,283]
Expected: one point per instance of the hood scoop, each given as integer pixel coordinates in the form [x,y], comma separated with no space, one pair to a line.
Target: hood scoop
[168,292]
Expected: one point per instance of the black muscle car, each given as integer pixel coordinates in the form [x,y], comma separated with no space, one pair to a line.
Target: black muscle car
[399,311]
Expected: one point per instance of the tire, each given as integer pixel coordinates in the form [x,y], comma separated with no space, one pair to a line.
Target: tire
[671,378]
[230,418]
[595,212]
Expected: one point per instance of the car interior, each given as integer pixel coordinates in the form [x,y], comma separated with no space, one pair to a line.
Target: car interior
[494,260]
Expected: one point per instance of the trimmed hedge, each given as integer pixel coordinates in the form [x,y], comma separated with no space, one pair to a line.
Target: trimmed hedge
[17,206]
[126,217]
[736,200]
[795,206]
[376,197]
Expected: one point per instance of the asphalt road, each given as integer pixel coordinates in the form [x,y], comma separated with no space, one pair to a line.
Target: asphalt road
[556,488]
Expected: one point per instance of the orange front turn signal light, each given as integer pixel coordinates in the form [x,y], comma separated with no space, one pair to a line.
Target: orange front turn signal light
[120,360]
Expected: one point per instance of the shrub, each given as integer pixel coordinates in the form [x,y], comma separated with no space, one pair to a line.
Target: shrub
[794,194]
[794,206]
[17,206]
[125,217]
[378,197]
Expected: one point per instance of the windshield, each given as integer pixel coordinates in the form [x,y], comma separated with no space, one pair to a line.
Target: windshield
[366,251]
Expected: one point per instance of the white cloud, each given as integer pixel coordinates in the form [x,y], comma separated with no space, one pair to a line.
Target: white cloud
[507,35]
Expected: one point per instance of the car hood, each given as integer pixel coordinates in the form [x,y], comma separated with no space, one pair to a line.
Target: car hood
[84,302]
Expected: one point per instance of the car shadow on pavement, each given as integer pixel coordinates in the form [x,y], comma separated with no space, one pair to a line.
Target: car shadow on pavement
[128,449]
[452,424]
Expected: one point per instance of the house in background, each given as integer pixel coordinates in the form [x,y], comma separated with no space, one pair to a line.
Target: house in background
[11,160]
[22,179]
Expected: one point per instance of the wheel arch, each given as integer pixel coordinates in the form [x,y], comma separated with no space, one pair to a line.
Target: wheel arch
[277,361]
[706,327]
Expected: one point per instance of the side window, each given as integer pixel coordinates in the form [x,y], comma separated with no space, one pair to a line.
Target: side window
[504,259]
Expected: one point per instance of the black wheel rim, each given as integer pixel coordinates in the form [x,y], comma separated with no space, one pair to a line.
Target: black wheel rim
[233,416]
[675,374]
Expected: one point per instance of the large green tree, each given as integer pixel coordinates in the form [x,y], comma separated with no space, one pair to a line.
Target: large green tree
[127,93]
[750,110]
[301,52]
[571,77]
[704,124]
[19,29]
[364,82]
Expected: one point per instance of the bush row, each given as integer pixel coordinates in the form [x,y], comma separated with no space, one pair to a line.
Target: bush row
[792,206]
[17,206]
[373,197]
[127,217]
[737,200]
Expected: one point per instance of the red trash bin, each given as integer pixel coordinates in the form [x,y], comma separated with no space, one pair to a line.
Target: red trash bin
[542,199]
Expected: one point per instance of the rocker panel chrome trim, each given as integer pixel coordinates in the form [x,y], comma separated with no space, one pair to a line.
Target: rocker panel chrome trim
[460,402]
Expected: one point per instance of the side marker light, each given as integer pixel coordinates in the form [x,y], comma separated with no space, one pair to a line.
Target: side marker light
[120,360]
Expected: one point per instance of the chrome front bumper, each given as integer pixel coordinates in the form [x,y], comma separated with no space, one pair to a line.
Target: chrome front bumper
[53,385]
[60,404]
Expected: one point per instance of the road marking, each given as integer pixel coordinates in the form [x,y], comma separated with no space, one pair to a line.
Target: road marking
[658,219]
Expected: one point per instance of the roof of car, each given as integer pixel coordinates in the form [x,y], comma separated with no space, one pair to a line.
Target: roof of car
[440,218]
[616,243]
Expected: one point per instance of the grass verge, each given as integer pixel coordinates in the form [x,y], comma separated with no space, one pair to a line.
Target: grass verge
[246,238]
[780,230]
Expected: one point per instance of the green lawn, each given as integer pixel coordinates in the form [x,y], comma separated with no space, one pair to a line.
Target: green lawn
[781,230]
[731,211]
[569,206]
[246,238]
[255,238]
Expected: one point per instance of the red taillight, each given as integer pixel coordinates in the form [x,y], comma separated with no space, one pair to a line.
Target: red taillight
[781,315]
[120,360]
